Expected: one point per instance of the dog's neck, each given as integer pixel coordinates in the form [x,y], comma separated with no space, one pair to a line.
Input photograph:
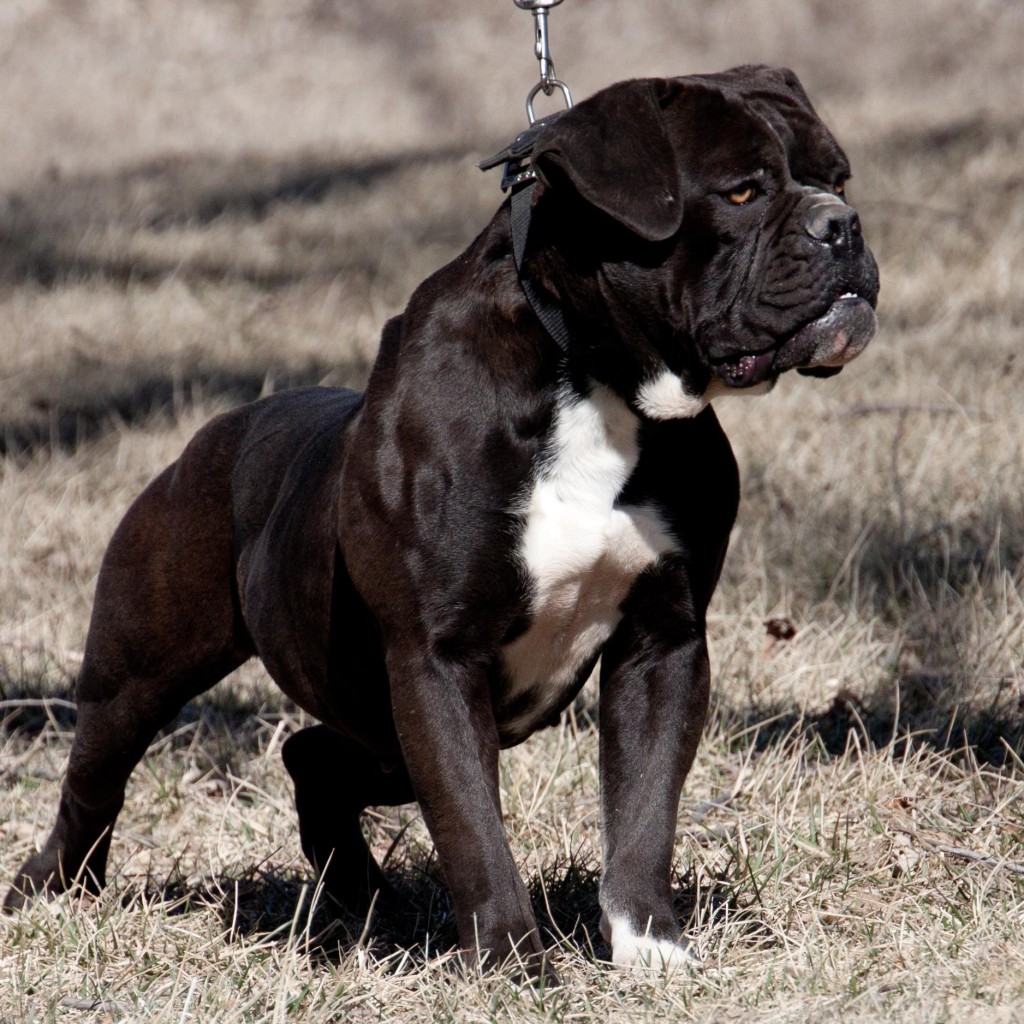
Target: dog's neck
[621,346]
[617,346]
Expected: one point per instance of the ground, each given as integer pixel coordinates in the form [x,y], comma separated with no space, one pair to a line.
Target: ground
[205,201]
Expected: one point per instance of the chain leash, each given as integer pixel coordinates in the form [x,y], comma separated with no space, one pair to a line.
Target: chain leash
[549,82]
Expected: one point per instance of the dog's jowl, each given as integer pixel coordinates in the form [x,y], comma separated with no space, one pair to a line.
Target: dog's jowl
[433,568]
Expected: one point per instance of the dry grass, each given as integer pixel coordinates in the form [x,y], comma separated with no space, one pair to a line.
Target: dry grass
[207,199]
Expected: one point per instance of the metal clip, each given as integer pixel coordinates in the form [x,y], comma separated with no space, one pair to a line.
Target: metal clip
[542,50]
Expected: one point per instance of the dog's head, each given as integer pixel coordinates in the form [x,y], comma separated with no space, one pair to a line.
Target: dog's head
[706,218]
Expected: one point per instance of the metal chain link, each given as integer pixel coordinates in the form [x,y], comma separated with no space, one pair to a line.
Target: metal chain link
[542,50]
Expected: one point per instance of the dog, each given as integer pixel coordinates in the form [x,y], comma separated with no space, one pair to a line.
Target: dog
[534,479]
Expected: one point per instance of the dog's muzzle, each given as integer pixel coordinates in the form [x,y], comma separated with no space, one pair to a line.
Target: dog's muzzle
[822,346]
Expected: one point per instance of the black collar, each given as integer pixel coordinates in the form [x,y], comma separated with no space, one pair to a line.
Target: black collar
[521,179]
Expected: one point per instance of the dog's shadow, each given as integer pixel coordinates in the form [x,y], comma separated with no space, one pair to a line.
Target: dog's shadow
[284,908]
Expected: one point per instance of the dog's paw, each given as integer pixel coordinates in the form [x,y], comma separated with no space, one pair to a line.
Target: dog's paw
[646,952]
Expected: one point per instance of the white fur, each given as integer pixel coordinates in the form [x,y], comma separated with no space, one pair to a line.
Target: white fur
[581,548]
[632,950]
[665,397]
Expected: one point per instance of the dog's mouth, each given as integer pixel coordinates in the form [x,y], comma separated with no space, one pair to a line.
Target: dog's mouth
[820,348]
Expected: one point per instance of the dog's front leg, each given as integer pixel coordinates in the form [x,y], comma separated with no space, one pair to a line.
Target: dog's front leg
[654,698]
[449,741]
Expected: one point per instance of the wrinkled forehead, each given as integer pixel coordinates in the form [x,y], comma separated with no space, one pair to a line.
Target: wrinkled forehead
[775,98]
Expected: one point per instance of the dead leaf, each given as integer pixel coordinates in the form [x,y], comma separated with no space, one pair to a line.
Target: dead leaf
[780,628]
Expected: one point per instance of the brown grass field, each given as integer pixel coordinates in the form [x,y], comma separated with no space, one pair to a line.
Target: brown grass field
[205,200]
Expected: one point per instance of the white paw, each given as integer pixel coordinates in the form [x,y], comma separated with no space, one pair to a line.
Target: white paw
[632,950]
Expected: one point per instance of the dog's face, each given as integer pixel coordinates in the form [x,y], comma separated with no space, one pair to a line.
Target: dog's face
[735,247]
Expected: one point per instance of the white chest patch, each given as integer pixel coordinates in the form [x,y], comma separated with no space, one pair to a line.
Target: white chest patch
[581,547]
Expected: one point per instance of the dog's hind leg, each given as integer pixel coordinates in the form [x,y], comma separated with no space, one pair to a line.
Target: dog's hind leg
[335,780]
[165,627]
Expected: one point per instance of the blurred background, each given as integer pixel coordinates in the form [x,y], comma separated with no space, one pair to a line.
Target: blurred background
[152,151]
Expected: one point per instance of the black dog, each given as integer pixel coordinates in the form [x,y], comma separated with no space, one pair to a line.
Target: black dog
[433,568]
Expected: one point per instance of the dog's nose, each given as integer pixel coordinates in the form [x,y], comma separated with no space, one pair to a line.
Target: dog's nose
[833,222]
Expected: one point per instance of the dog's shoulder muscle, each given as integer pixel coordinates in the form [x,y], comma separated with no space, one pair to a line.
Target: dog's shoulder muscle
[453,426]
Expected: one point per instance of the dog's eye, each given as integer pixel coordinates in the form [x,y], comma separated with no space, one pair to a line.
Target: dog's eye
[742,195]
[840,187]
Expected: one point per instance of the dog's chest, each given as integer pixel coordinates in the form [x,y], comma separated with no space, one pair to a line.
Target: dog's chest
[582,549]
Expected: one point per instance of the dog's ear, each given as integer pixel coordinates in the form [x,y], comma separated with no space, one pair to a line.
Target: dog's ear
[613,151]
